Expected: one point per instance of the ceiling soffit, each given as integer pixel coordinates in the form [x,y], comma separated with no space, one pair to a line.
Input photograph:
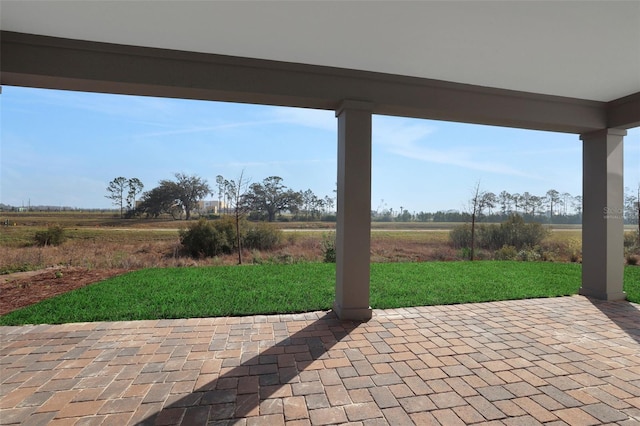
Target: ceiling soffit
[578,49]
[50,62]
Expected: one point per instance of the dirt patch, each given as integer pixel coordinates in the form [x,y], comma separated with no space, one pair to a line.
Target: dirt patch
[26,288]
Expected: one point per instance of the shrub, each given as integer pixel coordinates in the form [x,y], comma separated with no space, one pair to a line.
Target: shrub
[465,253]
[53,236]
[506,253]
[227,227]
[489,237]
[204,238]
[530,254]
[460,236]
[574,247]
[631,248]
[329,248]
[262,236]
[631,240]
[513,232]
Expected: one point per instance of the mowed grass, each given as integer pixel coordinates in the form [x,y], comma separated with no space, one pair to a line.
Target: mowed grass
[266,289]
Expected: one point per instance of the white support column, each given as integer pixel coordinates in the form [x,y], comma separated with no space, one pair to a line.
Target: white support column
[602,217]
[353,228]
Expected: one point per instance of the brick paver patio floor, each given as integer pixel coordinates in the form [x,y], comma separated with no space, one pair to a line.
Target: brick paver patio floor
[568,360]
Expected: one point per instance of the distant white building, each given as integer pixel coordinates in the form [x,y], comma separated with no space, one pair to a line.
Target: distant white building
[210,206]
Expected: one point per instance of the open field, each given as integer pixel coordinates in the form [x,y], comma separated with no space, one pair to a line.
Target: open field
[70,219]
[104,241]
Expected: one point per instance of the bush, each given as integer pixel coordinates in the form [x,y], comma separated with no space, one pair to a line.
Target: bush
[227,227]
[530,254]
[460,236]
[513,232]
[506,253]
[329,248]
[465,253]
[262,236]
[631,240]
[53,236]
[490,237]
[206,239]
[631,248]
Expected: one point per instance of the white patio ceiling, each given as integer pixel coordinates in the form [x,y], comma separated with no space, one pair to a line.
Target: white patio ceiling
[580,49]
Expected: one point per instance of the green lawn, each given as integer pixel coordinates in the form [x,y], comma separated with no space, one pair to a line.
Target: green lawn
[264,289]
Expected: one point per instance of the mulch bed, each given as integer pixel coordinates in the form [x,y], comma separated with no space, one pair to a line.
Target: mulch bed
[26,288]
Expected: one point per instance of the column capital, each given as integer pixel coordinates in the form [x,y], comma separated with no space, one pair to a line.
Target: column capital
[354,104]
[602,133]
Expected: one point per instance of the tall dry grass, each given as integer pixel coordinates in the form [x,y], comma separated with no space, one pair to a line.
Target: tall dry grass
[131,250]
[104,254]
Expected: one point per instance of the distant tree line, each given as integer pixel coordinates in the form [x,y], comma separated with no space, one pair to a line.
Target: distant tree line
[48,208]
[552,207]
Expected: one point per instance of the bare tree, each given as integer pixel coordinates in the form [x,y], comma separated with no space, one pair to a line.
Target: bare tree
[478,203]
[237,195]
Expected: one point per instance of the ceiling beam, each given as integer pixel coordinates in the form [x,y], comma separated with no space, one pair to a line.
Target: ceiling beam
[56,63]
[624,113]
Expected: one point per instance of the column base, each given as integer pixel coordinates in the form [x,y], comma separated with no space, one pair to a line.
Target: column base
[352,314]
[602,295]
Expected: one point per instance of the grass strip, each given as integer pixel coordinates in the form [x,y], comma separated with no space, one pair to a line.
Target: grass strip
[264,289]
[442,283]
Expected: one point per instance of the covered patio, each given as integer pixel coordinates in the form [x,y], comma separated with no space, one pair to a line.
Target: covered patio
[569,67]
[561,361]
[557,66]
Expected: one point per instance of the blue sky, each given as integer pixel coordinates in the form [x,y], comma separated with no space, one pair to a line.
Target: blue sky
[62,149]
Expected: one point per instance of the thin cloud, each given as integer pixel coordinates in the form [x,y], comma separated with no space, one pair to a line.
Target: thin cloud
[405,140]
[112,105]
[206,129]
[314,118]
[577,150]
[247,164]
